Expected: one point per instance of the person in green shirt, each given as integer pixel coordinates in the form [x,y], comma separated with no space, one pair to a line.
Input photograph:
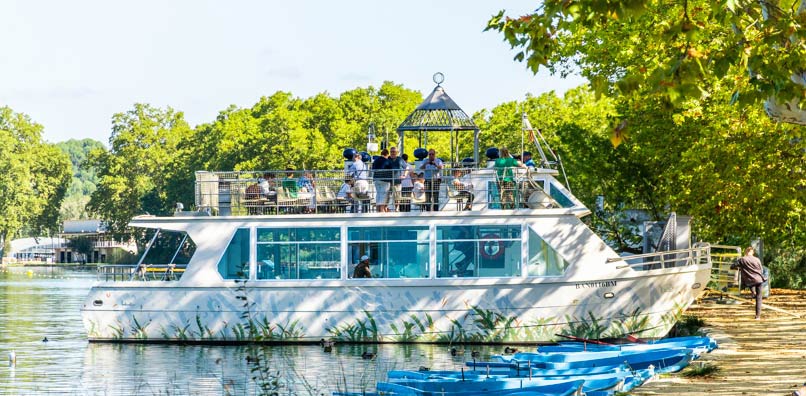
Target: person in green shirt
[504,168]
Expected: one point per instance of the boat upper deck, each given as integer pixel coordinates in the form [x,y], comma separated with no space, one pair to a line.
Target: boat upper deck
[451,189]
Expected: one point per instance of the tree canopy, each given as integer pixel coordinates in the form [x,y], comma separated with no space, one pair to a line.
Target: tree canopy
[133,173]
[84,177]
[676,50]
[34,177]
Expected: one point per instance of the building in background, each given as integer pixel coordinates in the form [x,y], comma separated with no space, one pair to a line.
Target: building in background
[101,247]
[39,250]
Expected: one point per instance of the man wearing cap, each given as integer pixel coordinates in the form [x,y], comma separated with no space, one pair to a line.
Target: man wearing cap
[362,268]
[527,159]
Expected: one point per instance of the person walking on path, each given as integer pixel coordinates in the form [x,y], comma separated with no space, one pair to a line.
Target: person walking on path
[752,275]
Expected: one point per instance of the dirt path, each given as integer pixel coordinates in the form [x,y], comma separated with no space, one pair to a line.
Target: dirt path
[761,357]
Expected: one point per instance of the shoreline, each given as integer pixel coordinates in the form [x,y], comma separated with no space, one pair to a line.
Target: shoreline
[755,357]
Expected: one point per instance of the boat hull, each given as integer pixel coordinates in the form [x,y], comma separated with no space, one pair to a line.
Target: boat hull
[523,310]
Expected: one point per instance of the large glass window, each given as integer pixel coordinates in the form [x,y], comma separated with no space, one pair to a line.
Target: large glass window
[235,262]
[478,251]
[298,253]
[543,259]
[394,252]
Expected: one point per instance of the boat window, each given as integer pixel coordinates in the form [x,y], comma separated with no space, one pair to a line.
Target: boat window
[559,196]
[168,255]
[235,262]
[394,252]
[543,259]
[478,251]
[298,253]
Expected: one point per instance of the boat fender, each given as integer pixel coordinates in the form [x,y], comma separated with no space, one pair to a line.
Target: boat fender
[492,247]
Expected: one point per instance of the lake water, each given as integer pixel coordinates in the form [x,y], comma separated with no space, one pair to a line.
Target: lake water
[39,303]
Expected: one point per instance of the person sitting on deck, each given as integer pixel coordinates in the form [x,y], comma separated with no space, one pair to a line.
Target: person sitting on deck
[306,184]
[362,268]
[290,183]
[268,187]
[464,188]
[345,196]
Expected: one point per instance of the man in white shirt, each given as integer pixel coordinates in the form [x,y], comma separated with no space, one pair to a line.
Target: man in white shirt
[433,177]
[359,172]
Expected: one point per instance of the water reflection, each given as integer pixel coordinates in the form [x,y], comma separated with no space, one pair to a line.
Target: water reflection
[46,303]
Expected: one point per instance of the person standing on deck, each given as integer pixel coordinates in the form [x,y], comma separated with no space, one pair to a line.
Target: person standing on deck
[752,275]
[506,178]
[527,160]
[433,177]
[400,172]
[382,176]
[359,174]
[406,185]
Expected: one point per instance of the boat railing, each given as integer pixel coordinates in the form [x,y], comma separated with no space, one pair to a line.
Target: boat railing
[140,272]
[723,278]
[246,193]
[699,254]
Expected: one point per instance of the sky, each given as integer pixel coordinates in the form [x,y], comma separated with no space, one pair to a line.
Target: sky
[71,65]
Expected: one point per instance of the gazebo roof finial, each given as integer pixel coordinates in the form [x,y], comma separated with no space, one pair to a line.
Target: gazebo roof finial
[438,112]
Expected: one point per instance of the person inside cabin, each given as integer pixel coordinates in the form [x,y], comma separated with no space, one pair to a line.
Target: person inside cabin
[362,268]
[382,177]
[433,177]
[528,161]
[464,188]
[504,168]
[752,275]
[345,197]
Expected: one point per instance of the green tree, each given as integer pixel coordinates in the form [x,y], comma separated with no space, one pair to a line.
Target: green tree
[133,173]
[34,176]
[84,177]
[81,245]
[677,50]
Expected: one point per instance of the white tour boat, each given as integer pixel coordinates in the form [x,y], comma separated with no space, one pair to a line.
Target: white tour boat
[278,267]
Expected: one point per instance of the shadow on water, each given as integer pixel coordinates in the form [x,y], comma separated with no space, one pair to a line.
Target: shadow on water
[46,303]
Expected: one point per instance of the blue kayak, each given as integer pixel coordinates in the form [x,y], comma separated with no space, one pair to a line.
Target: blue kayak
[554,388]
[450,382]
[668,360]
[703,344]
[612,381]
[525,371]
[538,357]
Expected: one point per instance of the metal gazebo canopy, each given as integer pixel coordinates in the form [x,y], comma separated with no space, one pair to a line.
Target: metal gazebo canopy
[439,113]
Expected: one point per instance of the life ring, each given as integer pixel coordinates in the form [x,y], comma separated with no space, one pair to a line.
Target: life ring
[491,247]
